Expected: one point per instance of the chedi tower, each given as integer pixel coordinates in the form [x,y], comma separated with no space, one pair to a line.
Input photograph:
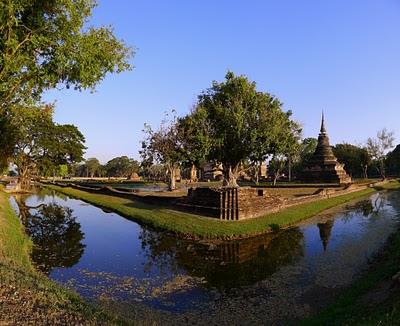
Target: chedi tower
[323,166]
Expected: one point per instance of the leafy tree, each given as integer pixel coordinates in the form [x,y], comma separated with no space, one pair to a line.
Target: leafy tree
[393,161]
[46,45]
[377,148]
[122,167]
[41,142]
[92,166]
[242,122]
[285,149]
[196,141]
[63,170]
[165,146]
[308,147]
[355,159]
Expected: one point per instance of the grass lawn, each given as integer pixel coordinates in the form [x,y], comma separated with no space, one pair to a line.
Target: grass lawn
[201,227]
[28,297]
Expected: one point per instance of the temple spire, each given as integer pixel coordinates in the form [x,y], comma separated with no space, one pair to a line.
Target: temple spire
[323,130]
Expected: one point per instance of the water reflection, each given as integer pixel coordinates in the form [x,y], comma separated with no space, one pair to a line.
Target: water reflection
[126,262]
[224,265]
[325,230]
[56,235]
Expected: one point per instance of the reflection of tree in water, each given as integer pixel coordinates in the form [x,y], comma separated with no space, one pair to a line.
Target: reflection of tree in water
[160,250]
[325,230]
[56,236]
[367,208]
[226,265]
[393,198]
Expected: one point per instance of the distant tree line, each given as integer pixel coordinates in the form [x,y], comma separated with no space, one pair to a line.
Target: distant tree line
[118,167]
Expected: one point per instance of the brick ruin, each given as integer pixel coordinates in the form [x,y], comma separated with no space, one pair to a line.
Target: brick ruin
[232,204]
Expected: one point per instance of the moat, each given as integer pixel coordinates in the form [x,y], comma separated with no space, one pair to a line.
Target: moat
[272,278]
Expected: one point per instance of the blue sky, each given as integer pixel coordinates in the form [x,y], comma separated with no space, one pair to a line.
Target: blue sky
[339,56]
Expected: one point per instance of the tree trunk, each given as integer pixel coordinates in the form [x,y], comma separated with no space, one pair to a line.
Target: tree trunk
[230,177]
[290,169]
[23,179]
[365,170]
[172,178]
[275,179]
[193,174]
[382,169]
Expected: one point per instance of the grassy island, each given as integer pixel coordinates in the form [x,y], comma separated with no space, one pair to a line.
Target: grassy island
[196,226]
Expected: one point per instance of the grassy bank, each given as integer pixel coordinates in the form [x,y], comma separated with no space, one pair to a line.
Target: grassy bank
[28,297]
[198,226]
[374,299]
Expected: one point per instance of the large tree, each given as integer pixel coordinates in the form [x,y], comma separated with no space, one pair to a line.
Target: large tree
[393,161]
[92,166]
[41,142]
[243,123]
[46,45]
[355,159]
[122,166]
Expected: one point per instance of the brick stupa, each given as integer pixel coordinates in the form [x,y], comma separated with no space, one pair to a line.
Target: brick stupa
[323,166]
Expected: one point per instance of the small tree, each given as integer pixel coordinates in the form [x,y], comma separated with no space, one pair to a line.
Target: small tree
[165,146]
[285,148]
[378,147]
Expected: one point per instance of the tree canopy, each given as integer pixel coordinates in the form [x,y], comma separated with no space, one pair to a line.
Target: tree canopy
[355,159]
[40,143]
[47,44]
[242,123]
[122,166]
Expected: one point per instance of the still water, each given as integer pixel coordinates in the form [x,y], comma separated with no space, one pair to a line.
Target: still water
[106,257]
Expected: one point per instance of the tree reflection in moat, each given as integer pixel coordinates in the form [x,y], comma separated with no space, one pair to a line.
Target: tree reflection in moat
[227,264]
[56,235]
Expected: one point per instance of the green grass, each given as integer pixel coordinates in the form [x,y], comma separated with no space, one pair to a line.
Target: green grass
[15,246]
[201,227]
[29,295]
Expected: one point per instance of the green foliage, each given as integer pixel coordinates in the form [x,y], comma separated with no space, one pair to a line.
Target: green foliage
[242,123]
[92,166]
[122,167]
[393,161]
[195,137]
[63,170]
[46,44]
[355,159]
[42,144]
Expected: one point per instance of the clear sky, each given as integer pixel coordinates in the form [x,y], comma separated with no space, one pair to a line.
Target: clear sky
[341,56]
